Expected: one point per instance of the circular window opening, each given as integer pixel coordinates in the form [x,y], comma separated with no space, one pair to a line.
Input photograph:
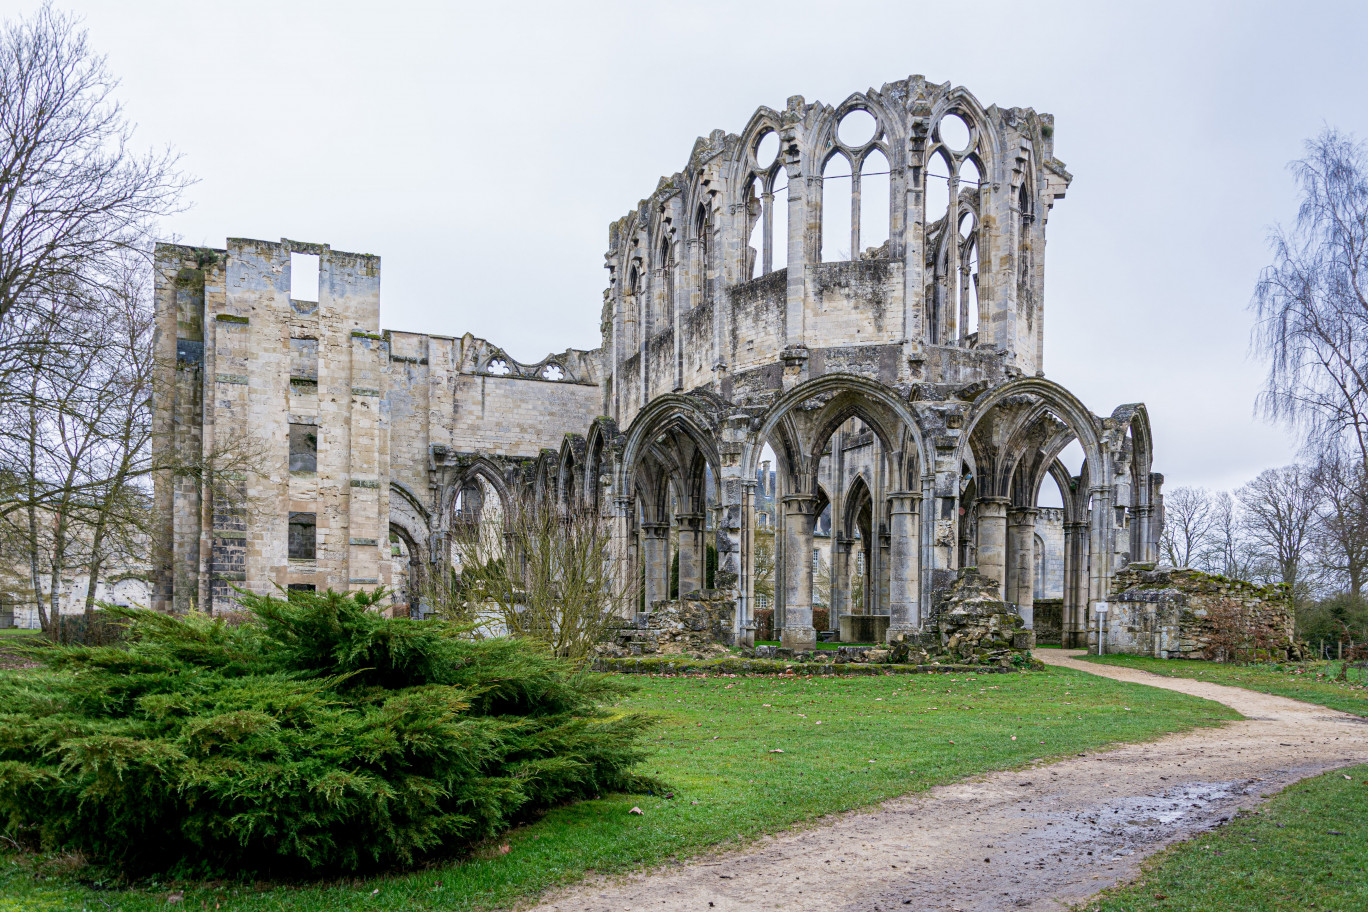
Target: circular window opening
[498,367]
[767,149]
[553,372]
[954,133]
[857,128]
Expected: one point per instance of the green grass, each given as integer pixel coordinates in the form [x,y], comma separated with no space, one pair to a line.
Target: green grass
[878,737]
[1310,681]
[1305,849]
[17,631]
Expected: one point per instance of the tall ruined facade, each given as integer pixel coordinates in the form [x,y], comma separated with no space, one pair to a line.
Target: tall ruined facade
[851,294]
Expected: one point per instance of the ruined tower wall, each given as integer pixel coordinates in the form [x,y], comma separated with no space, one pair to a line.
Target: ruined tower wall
[270,362]
[244,364]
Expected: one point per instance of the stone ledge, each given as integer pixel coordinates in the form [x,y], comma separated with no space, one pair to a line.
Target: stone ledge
[739,666]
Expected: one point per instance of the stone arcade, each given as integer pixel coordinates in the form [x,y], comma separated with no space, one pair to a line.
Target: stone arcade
[853,294]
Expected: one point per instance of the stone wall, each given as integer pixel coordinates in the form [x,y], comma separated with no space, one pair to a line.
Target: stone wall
[1049,621]
[699,626]
[1172,613]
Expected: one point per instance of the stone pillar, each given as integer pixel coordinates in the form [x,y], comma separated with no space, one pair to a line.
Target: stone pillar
[626,554]
[885,546]
[655,548]
[992,540]
[745,588]
[735,525]
[1101,553]
[1021,562]
[692,551]
[904,580]
[1141,550]
[943,518]
[1073,632]
[840,579]
[800,515]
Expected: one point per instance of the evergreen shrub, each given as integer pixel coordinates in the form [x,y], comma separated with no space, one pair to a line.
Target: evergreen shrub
[317,736]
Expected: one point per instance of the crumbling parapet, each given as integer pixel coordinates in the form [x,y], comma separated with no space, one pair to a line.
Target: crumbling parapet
[1170,613]
[700,625]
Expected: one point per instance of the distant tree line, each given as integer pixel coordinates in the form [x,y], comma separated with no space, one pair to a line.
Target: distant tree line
[1304,525]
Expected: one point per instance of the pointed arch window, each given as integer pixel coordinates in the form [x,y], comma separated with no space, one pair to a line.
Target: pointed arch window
[766,208]
[667,296]
[856,191]
[703,230]
[951,185]
[838,231]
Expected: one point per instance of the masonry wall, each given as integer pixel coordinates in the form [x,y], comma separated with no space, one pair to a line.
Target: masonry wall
[254,384]
[243,361]
[1169,614]
[1049,530]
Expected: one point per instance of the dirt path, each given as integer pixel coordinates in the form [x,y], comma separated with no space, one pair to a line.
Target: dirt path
[1042,838]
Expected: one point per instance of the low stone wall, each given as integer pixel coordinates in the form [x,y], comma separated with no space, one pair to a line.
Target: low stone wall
[677,665]
[699,625]
[1049,621]
[1172,613]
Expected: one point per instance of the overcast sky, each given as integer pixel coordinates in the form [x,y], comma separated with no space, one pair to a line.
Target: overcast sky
[482,149]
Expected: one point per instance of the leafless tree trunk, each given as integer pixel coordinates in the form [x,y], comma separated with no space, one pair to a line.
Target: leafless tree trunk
[1343,525]
[1312,303]
[1280,511]
[1188,523]
[77,205]
[1227,552]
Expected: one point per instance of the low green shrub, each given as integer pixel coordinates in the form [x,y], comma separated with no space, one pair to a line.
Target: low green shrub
[318,736]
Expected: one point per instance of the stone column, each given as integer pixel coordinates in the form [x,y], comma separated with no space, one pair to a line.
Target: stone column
[800,515]
[840,579]
[1073,634]
[885,546]
[904,580]
[1140,535]
[1101,553]
[655,547]
[625,551]
[1021,562]
[691,551]
[745,587]
[992,540]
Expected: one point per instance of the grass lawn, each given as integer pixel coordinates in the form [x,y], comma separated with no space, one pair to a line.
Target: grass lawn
[17,631]
[845,742]
[1305,849]
[1310,681]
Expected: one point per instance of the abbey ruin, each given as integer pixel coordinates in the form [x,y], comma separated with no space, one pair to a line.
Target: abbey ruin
[839,308]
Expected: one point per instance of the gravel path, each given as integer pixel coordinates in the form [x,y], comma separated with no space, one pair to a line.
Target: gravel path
[1040,838]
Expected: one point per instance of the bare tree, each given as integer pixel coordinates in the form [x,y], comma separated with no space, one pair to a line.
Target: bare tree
[1312,304]
[1280,510]
[1342,530]
[74,196]
[1188,521]
[1226,552]
[546,575]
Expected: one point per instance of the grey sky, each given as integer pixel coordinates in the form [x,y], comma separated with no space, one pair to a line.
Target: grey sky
[482,149]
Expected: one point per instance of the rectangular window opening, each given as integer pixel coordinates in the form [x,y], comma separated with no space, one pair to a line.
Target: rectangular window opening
[300,587]
[303,448]
[303,536]
[303,276]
